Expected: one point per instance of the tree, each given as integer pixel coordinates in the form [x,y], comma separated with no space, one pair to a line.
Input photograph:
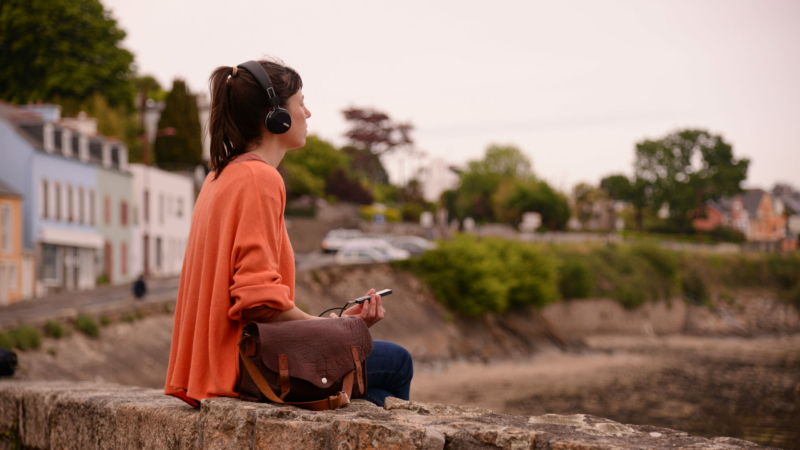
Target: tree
[619,187]
[306,169]
[586,196]
[63,51]
[366,164]
[482,178]
[374,131]
[686,169]
[515,196]
[182,150]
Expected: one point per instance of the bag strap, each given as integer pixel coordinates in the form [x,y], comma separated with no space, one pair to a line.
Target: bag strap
[359,374]
[332,402]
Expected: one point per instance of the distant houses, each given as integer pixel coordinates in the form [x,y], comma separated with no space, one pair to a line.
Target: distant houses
[78,202]
[758,214]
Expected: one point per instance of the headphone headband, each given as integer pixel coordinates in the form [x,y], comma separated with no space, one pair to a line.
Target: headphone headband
[261,75]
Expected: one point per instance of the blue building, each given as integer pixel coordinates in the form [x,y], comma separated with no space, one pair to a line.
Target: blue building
[54,164]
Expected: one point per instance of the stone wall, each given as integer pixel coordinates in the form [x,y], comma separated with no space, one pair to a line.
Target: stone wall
[62,415]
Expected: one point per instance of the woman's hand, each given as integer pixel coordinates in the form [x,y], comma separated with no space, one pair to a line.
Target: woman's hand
[371,310]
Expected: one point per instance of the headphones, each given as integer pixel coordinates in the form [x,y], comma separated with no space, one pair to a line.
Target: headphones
[278,120]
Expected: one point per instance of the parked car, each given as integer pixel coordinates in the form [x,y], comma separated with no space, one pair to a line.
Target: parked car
[366,250]
[335,239]
[413,244]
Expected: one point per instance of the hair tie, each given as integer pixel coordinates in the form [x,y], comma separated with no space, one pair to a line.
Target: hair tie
[235,69]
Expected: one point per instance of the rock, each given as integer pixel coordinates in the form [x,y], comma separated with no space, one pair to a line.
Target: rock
[67,415]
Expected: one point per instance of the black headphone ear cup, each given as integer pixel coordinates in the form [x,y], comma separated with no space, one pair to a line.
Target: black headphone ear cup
[278,121]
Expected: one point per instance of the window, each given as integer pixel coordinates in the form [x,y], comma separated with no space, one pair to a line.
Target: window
[161,208]
[8,236]
[158,253]
[91,207]
[12,276]
[107,210]
[81,206]
[49,262]
[179,212]
[45,205]
[123,213]
[57,198]
[124,255]
[70,205]
[146,208]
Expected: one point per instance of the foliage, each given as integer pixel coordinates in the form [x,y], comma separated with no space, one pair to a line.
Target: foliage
[576,280]
[386,193]
[411,212]
[365,164]
[514,197]
[306,169]
[62,50]
[585,196]
[636,192]
[695,289]
[54,329]
[183,149]
[686,169]
[375,132]
[368,212]
[86,325]
[26,337]
[6,341]
[340,185]
[473,277]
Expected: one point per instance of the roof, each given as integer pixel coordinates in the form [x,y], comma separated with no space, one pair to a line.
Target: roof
[751,199]
[8,191]
[790,203]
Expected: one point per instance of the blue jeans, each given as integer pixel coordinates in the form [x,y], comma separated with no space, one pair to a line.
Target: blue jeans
[389,372]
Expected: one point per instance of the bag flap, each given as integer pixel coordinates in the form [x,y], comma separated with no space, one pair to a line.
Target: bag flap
[316,349]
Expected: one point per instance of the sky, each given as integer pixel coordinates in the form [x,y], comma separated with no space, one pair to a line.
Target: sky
[573,84]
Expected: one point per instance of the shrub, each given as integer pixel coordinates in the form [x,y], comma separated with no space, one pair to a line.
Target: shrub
[473,277]
[6,340]
[86,325]
[695,289]
[576,281]
[104,320]
[54,329]
[26,337]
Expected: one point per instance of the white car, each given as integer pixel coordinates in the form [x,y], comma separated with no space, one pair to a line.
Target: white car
[335,239]
[367,250]
[414,244]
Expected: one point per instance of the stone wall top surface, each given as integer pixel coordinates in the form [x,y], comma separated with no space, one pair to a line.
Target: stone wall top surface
[67,415]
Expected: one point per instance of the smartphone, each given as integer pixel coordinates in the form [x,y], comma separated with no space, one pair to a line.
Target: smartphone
[382,293]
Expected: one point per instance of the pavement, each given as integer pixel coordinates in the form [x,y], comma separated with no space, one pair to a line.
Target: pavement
[70,304]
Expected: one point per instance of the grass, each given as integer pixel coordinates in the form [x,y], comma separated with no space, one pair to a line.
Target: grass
[87,325]
[23,337]
[54,329]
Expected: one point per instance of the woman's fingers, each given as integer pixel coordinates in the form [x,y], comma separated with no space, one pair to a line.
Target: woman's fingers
[333,315]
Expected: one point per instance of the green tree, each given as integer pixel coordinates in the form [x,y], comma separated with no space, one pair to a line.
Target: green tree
[687,168]
[62,51]
[183,149]
[515,196]
[306,169]
[619,187]
[483,177]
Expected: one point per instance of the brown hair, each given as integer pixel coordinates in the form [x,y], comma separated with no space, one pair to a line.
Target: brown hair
[238,108]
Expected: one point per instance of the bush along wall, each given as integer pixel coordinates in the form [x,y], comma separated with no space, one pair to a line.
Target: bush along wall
[473,276]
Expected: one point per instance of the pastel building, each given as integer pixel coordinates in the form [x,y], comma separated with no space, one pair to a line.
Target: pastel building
[56,167]
[16,265]
[163,204]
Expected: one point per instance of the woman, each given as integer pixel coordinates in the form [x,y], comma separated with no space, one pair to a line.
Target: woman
[239,264]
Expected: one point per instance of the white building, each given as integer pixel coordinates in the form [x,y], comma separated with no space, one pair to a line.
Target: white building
[436,178]
[162,212]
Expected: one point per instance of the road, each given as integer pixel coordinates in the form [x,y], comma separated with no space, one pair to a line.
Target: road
[69,304]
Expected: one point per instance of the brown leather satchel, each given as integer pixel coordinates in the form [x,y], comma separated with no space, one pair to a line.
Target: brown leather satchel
[312,364]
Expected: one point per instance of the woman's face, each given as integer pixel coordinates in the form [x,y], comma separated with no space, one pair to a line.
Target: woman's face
[296,136]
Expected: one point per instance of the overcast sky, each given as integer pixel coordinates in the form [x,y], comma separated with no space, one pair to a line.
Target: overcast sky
[573,84]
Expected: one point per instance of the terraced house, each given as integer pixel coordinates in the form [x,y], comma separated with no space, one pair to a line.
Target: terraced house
[76,187]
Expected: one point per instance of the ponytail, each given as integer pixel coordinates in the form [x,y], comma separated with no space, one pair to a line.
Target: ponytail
[239,106]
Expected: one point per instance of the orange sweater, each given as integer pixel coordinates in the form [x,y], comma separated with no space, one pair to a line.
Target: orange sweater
[238,256]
